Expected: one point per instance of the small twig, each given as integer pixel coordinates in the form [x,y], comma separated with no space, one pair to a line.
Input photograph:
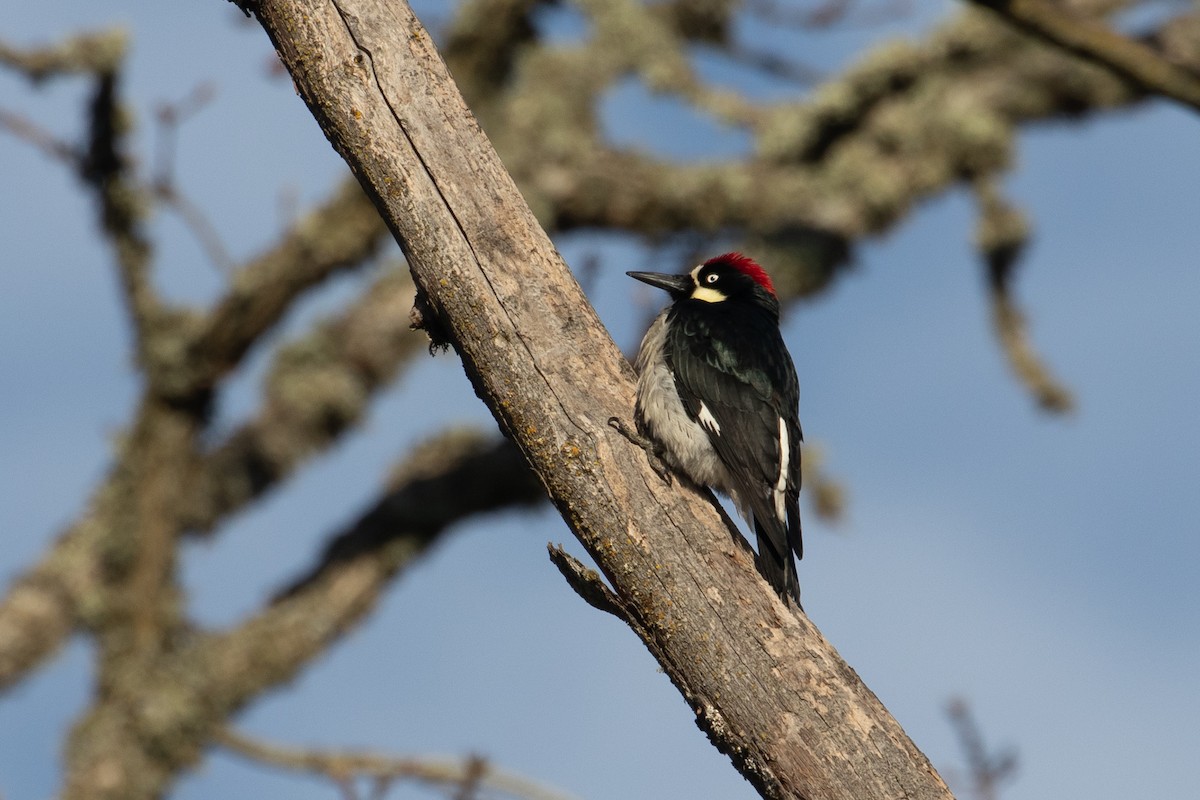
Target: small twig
[840,13]
[342,767]
[987,771]
[1010,328]
[380,787]
[475,768]
[1098,43]
[40,138]
[826,494]
[346,787]
[777,66]
[198,223]
[586,583]
[169,117]
[1001,236]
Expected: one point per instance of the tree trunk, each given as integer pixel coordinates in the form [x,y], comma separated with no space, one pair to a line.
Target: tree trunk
[767,688]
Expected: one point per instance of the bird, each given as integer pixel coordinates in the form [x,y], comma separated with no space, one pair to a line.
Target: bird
[718,401]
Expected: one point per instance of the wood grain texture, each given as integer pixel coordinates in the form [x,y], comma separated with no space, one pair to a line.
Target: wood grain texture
[767,688]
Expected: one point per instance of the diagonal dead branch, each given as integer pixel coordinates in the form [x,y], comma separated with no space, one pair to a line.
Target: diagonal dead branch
[537,354]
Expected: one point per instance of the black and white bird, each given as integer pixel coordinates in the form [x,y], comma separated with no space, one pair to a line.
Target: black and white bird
[717,398]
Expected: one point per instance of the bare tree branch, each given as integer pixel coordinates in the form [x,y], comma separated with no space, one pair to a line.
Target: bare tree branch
[365,347]
[344,766]
[1096,42]
[40,138]
[1001,236]
[169,116]
[909,121]
[588,584]
[342,587]
[317,387]
[156,719]
[987,770]
[826,494]
[187,353]
[88,54]
[342,233]
[906,123]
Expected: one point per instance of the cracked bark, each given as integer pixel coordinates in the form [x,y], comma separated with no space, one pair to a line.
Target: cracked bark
[766,687]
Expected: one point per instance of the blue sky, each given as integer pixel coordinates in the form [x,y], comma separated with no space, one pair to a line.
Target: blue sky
[1043,568]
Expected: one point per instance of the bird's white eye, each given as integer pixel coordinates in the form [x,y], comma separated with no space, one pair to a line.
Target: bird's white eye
[712,277]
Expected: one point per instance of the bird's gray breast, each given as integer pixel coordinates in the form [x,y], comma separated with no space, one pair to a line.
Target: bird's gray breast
[661,415]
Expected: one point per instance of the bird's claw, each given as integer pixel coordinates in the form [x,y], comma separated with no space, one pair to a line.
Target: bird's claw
[619,426]
[650,448]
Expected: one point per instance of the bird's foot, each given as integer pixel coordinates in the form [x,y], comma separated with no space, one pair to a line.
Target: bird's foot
[651,448]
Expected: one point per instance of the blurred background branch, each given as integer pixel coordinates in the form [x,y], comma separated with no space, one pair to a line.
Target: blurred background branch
[986,771]
[347,768]
[823,169]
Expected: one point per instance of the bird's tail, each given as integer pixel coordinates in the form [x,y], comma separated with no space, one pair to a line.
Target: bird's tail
[779,568]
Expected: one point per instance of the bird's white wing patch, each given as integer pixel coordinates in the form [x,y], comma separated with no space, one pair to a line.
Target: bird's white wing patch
[708,421]
[785,456]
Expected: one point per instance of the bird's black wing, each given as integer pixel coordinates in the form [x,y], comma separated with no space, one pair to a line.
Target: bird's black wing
[736,379]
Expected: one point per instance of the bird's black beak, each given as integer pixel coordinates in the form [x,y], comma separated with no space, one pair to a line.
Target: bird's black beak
[677,285]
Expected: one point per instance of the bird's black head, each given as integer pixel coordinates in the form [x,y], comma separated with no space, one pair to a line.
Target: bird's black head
[731,276]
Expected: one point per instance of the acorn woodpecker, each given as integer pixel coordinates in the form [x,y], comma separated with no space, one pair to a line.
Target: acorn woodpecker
[717,400]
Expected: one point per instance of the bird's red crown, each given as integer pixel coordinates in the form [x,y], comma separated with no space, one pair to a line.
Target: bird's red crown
[747,266]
